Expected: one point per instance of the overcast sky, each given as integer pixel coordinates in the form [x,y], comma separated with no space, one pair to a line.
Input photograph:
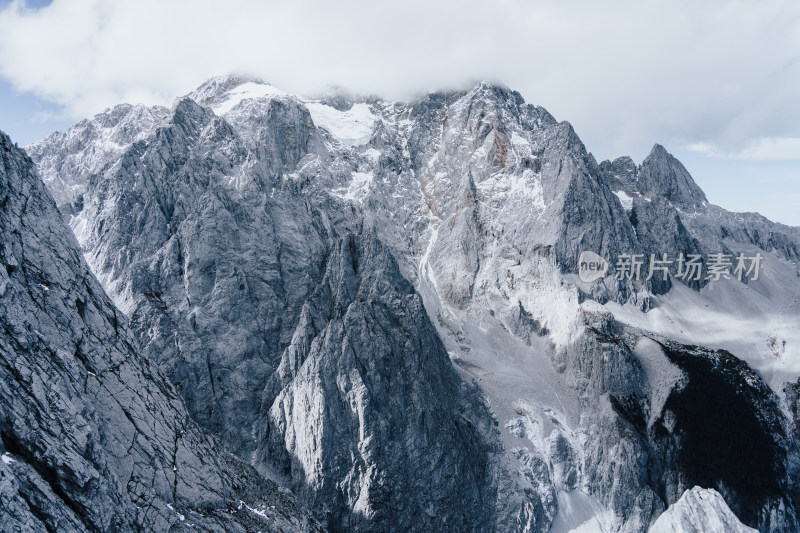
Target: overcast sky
[716,82]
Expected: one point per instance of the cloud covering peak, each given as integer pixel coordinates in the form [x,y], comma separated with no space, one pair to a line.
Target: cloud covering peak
[626,73]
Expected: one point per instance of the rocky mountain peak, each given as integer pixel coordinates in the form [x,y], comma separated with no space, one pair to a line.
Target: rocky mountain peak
[663,175]
[190,116]
[621,174]
[217,87]
[225,93]
[496,91]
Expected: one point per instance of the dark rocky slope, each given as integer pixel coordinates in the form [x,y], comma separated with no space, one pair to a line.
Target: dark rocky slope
[93,438]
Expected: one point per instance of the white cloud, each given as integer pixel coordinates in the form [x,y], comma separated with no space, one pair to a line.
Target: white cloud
[627,73]
[768,149]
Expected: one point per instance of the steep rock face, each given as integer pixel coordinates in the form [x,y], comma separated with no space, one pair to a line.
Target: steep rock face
[212,274]
[365,399]
[621,174]
[93,437]
[699,510]
[504,177]
[618,395]
[661,234]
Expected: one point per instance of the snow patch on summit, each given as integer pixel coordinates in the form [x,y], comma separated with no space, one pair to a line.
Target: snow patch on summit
[246,91]
[352,127]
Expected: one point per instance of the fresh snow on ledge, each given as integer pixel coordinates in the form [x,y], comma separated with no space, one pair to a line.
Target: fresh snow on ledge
[625,200]
[699,510]
[358,188]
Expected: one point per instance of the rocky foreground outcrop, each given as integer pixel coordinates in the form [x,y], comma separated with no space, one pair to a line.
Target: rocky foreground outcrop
[92,436]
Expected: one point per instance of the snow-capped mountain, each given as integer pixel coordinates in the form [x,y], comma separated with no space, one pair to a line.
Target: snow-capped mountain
[379,304]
